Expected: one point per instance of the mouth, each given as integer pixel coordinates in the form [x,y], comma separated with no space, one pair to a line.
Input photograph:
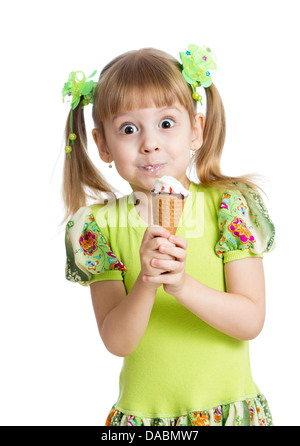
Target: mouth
[152,167]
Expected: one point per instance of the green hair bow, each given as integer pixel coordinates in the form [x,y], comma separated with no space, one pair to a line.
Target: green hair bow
[77,86]
[196,63]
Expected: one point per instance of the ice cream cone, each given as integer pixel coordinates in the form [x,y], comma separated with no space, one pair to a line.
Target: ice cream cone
[167,210]
[168,199]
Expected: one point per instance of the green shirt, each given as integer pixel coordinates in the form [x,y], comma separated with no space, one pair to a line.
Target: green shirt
[181,364]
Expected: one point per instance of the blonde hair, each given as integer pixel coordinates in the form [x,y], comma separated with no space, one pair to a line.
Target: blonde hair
[135,80]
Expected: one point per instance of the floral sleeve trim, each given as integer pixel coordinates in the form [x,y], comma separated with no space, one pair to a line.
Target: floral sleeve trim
[88,253]
[244,224]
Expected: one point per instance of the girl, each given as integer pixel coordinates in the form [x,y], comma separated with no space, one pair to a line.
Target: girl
[180,309]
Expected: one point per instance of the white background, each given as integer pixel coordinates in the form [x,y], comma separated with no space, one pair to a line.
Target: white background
[54,369]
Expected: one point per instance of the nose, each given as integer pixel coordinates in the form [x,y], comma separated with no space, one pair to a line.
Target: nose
[150,149]
[149,142]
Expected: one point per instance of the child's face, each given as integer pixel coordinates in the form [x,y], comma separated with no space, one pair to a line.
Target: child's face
[149,143]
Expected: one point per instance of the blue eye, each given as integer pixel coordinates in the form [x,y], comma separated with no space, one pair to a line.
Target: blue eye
[128,129]
[166,123]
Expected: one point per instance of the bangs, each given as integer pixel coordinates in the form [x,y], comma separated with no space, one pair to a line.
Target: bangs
[141,79]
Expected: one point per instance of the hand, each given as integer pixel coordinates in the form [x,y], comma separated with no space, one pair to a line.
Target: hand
[171,271]
[154,238]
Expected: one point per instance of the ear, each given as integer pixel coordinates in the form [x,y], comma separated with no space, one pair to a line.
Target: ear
[101,144]
[197,128]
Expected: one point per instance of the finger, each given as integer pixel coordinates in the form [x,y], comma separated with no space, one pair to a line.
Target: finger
[155,231]
[178,241]
[165,265]
[162,278]
[154,279]
[155,272]
[171,250]
[160,256]
[155,243]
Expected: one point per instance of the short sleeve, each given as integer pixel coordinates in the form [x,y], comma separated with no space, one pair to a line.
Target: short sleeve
[89,256]
[246,229]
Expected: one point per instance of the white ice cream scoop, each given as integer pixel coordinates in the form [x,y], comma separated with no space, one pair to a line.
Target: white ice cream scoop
[169,185]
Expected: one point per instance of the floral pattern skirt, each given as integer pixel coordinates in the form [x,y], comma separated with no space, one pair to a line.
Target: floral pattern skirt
[250,412]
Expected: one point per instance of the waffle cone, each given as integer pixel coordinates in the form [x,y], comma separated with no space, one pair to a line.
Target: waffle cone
[167,210]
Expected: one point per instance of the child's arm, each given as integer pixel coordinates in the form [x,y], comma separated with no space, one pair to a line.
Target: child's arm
[238,312]
[122,319]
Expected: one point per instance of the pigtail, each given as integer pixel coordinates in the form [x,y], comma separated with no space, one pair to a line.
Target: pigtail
[208,157]
[81,179]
